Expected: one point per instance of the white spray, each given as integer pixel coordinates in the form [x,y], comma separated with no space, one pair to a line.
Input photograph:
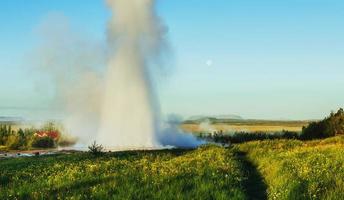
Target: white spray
[66,62]
[130,110]
[118,108]
[128,119]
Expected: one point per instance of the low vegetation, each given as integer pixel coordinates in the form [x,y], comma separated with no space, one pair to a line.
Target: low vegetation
[11,139]
[294,169]
[47,136]
[240,137]
[44,142]
[332,125]
[209,172]
[288,165]
[96,149]
[271,169]
[208,125]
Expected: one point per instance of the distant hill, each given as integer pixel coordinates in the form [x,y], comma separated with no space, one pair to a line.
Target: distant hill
[214,118]
[11,119]
[202,117]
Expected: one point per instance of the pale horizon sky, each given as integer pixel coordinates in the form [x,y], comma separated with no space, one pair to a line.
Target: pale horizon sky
[257,59]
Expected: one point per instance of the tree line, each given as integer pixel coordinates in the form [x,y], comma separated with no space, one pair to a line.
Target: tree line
[332,125]
[23,139]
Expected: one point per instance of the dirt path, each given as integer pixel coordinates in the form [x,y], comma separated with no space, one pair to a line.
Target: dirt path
[255,186]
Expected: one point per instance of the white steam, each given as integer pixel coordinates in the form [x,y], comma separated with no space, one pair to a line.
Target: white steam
[67,63]
[128,118]
[117,106]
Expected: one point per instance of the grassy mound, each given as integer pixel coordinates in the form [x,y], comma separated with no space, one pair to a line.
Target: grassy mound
[206,173]
[300,170]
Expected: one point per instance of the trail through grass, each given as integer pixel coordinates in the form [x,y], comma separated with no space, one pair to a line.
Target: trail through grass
[206,173]
[296,170]
[272,169]
[255,186]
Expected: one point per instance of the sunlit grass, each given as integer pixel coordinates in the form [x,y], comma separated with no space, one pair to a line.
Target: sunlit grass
[206,173]
[196,128]
[282,169]
[297,170]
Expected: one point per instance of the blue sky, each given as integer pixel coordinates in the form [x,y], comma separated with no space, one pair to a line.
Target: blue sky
[271,59]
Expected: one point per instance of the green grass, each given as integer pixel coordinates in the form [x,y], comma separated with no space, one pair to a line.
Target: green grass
[297,170]
[206,173]
[272,169]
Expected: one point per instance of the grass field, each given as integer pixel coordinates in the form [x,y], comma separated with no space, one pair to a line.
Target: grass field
[296,170]
[272,169]
[196,128]
[230,126]
[205,173]
[214,125]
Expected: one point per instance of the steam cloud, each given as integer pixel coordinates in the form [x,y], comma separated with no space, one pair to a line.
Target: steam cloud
[67,63]
[117,107]
[128,113]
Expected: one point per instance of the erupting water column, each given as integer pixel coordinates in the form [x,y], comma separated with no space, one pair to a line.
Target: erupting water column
[128,118]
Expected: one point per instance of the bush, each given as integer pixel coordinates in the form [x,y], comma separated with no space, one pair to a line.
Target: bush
[330,126]
[5,132]
[13,142]
[96,149]
[43,142]
[241,137]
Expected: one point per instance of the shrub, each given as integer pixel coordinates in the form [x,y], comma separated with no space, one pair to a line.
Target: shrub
[330,126]
[13,142]
[5,132]
[241,137]
[43,142]
[96,149]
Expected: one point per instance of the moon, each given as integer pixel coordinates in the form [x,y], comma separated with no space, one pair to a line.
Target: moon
[209,62]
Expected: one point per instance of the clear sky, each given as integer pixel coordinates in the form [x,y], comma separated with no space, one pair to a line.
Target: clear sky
[258,59]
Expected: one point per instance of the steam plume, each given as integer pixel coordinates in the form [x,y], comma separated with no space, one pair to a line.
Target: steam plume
[117,107]
[130,113]
[128,118]
[67,62]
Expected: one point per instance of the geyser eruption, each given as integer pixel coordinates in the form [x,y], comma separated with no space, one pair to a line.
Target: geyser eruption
[117,106]
[128,117]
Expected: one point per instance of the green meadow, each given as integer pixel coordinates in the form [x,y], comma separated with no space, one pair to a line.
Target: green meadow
[293,169]
[271,169]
